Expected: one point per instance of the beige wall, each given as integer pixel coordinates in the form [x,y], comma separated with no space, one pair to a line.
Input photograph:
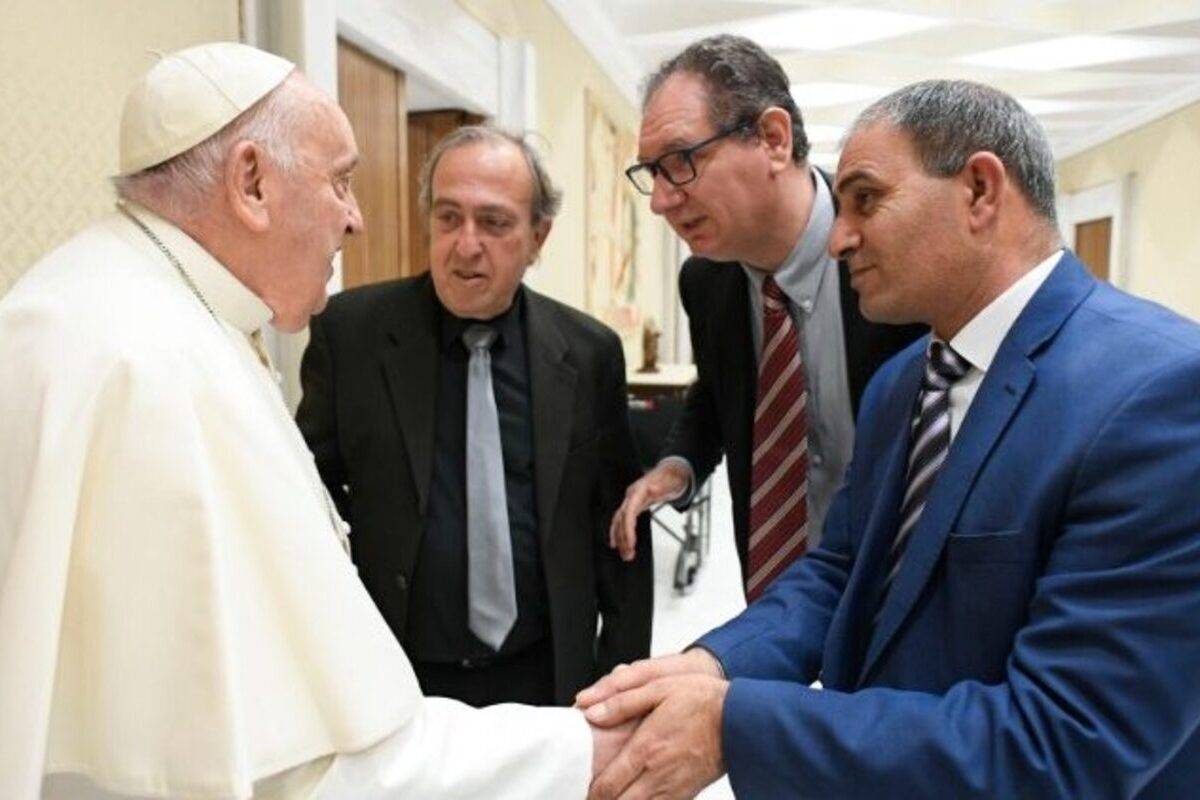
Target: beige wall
[65,66]
[1164,236]
[566,74]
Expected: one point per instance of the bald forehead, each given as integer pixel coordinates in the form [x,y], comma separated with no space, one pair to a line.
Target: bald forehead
[493,156]
[323,131]
[874,152]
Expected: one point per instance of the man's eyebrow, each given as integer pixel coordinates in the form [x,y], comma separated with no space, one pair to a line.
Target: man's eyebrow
[845,182]
[493,208]
[673,146]
[490,208]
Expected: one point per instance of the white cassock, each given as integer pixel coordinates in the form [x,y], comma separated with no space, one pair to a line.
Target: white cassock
[177,615]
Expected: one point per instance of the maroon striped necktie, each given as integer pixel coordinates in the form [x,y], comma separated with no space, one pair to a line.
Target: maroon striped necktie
[779,465]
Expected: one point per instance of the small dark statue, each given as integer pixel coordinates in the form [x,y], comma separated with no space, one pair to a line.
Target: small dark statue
[650,334]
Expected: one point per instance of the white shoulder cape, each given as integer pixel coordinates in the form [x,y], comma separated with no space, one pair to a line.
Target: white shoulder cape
[176,616]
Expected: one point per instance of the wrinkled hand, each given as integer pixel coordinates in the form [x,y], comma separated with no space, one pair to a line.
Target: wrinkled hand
[676,750]
[666,481]
[607,743]
[639,673]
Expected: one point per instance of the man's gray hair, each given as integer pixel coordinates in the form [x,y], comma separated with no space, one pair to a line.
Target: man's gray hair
[545,199]
[181,185]
[743,82]
[949,121]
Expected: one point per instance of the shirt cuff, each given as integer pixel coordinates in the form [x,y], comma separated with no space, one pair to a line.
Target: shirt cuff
[684,499]
[715,657]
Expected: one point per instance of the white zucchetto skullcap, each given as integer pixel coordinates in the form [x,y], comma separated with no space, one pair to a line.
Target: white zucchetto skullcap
[191,94]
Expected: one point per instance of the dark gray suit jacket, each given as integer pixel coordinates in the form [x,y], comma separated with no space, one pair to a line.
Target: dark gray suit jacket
[370,378]
[718,414]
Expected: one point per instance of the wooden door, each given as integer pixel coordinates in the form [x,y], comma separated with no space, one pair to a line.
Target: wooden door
[1093,240]
[426,129]
[372,94]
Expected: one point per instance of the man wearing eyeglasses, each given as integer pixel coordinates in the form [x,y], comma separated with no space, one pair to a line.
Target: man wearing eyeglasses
[782,351]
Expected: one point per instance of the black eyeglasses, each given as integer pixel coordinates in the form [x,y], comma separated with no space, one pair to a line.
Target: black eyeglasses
[676,166]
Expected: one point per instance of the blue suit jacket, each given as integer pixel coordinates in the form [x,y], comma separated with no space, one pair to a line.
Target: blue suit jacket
[1042,638]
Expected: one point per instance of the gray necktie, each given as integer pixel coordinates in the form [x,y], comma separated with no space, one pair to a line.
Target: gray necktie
[491,588]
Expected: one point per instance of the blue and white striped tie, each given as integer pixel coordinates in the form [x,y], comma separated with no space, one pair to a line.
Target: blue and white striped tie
[930,437]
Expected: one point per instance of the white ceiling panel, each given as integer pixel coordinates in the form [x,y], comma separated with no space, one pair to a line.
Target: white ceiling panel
[1086,68]
[1070,52]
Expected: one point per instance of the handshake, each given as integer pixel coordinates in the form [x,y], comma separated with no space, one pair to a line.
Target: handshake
[656,727]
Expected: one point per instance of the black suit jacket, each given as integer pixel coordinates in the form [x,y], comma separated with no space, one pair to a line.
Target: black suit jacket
[718,414]
[369,377]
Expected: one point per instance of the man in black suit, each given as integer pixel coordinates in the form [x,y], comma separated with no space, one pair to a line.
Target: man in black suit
[723,156]
[475,436]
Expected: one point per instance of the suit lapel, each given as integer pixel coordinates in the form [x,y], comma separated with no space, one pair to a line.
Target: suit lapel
[409,359]
[731,327]
[730,330]
[999,396]
[552,387]
[846,641]
[997,399]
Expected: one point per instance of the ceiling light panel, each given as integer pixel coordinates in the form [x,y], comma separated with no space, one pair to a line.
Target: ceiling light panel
[831,28]
[824,134]
[1070,52]
[826,28]
[816,94]
[1055,105]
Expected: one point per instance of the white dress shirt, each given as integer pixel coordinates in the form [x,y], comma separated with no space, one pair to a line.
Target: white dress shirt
[810,281]
[980,339]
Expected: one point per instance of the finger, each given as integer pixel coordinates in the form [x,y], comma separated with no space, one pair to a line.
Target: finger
[623,531]
[634,505]
[628,552]
[623,706]
[619,774]
[632,676]
[644,787]
[583,694]
[622,678]
[616,525]
[627,542]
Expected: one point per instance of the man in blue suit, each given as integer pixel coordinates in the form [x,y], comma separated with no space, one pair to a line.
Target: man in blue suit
[1006,601]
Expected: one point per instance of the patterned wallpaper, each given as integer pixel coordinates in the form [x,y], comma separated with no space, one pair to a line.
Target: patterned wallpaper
[65,66]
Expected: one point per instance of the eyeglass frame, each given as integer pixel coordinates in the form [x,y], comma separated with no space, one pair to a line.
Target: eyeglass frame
[654,168]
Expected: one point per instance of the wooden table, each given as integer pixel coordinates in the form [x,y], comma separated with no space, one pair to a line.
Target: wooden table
[670,379]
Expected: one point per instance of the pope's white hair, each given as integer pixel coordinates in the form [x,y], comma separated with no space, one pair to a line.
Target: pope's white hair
[180,186]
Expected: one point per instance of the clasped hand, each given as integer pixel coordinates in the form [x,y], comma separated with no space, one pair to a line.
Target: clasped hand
[675,749]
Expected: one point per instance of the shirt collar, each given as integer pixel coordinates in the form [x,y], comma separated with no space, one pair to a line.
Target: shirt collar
[801,273]
[507,324]
[228,297]
[980,338]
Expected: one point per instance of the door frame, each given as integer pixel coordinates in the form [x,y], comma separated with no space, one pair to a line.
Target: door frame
[1113,200]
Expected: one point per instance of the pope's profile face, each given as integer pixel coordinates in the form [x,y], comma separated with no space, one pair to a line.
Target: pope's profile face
[317,210]
[482,235]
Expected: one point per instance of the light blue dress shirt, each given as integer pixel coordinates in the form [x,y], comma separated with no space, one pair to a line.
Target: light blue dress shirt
[809,279]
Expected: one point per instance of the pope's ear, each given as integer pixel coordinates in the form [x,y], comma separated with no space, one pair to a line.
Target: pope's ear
[244,182]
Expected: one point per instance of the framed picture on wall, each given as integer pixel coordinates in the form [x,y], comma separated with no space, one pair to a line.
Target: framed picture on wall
[610,222]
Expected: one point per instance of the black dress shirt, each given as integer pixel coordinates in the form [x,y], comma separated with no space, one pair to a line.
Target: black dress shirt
[438,628]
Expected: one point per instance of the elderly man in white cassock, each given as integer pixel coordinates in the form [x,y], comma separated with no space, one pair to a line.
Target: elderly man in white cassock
[178,615]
